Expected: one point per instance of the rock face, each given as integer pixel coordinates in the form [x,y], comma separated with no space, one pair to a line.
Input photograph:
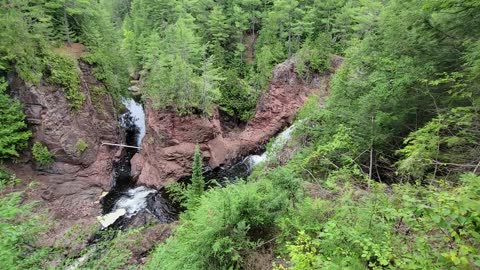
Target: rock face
[72,185]
[168,146]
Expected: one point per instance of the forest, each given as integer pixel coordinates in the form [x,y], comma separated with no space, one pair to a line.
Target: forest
[383,173]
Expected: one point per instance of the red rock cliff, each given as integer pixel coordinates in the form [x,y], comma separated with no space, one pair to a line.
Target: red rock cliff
[72,185]
[168,146]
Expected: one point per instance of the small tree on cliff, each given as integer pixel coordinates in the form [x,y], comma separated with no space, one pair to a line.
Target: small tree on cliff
[197,187]
[14,134]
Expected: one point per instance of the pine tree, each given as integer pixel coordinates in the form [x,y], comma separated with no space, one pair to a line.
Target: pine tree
[13,129]
[197,188]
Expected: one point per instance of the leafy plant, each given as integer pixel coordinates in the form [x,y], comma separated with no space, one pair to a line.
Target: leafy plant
[81,146]
[19,228]
[41,154]
[14,134]
[7,179]
[63,71]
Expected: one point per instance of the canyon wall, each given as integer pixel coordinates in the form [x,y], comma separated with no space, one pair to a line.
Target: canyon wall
[70,187]
[168,146]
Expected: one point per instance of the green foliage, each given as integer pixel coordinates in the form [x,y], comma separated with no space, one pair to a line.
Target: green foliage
[197,188]
[80,146]
[313,56]
[415,227]
[14,134]
[176,75]
[445,139]
[19,228]
[25,27]
[32,28]
[97,94]
[41,154]
[237,99]
[63,71]
[7,179]
[188,196]
[227,224]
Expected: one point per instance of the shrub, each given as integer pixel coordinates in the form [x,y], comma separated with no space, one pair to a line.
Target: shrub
[236,97]
[97,93]
[63,71]
[13,129]
[226,226]
[19,228]
[41,154]
[81,146]
[314,56]
[7,179]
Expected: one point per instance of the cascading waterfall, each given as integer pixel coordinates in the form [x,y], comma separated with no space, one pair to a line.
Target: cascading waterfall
[278,144]
[125,200]
[243,168]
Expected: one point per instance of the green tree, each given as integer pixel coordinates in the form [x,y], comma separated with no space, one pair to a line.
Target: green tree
[14,134]
[197,188]
[19,229]
[237,99]
[25,26]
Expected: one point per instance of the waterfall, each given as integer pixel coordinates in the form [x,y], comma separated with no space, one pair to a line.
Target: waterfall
[278,143]
[135,116]
[125,200]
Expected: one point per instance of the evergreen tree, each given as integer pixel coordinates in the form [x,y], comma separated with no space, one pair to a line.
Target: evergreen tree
[14,134]
[197,188]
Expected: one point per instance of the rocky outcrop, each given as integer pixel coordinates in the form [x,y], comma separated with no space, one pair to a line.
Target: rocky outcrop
[168,146]
[72,185]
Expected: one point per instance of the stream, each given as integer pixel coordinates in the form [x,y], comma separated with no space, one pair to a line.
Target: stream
[126,203]
[125,200]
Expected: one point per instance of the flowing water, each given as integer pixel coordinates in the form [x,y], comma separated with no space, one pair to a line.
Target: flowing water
[125,200]
[243,168]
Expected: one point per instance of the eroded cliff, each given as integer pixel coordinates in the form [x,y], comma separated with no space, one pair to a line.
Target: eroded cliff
[71,186]
[168,146]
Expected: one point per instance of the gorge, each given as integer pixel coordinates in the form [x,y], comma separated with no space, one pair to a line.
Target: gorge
[240,135]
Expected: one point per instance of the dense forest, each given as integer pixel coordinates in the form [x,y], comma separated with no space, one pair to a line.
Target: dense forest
[384,175]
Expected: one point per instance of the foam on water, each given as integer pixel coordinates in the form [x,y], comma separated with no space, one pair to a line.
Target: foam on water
[278,143]
[134,200]
[110,218]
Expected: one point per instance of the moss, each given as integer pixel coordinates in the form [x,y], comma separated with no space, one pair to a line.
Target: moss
[63,71]
[81,146]
[41,154]
[97,94]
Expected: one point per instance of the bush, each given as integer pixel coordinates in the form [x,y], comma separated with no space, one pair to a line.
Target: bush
[414,227]
[236,97]
[314,56]
[97,94]
[81,146]
[63,71]
[14,134]
[19,228]
[7,179]
[41,154]
[227,225]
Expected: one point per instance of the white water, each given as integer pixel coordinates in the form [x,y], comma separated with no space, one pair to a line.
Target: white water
[134,200]
[110,218]
[138,114]
[277,145]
